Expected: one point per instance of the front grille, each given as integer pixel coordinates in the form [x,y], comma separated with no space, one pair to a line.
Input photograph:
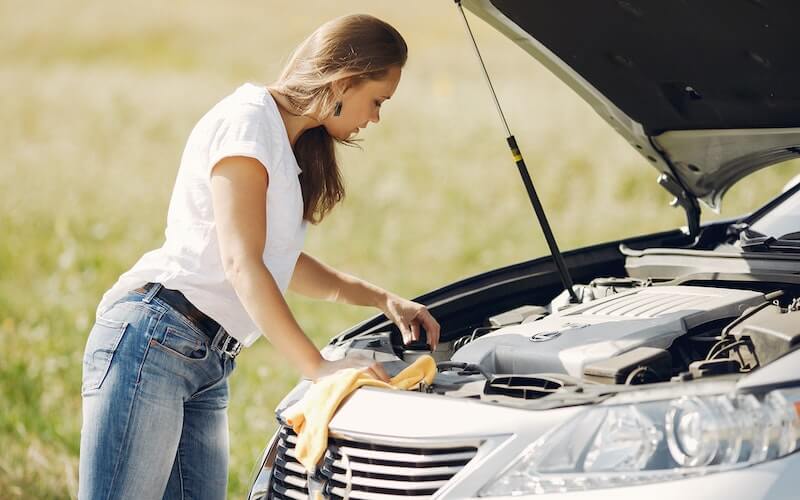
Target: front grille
[372,471]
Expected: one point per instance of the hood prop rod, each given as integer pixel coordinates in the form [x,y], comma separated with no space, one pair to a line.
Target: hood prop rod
[566,279]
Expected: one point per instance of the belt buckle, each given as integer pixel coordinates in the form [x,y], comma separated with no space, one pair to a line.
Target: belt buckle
[227,343]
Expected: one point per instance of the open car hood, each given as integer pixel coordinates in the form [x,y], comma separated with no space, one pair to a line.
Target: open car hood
[708,92]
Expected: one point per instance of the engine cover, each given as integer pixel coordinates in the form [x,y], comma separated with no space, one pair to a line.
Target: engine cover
[567,340]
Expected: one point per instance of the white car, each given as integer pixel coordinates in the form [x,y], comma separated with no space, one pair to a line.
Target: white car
[671,368]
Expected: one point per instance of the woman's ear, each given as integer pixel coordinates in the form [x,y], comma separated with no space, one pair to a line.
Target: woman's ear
[340,86]
[337,89]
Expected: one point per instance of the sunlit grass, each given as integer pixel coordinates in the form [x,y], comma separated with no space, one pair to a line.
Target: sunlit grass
[98,99]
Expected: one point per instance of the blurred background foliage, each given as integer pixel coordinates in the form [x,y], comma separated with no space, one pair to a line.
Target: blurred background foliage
[98,99]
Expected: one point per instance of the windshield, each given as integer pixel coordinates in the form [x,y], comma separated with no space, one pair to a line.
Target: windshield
[783,218]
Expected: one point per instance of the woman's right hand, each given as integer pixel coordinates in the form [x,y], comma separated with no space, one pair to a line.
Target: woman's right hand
[367,365]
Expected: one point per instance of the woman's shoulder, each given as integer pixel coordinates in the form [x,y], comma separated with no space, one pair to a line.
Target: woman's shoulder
[248,101]
[250,113]
[247,122]
[251,93]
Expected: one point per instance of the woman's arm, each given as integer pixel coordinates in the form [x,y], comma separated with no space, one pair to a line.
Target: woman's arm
[238,192]
[318,280]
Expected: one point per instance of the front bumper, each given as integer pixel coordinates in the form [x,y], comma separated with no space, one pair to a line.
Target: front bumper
[380,421]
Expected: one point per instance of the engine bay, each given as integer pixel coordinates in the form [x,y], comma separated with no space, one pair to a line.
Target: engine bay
[622,332]
[578,338]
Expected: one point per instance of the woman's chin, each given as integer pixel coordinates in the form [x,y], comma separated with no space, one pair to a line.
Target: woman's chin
[339,135]
[350,135]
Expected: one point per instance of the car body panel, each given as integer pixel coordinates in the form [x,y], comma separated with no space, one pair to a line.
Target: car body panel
[382,416]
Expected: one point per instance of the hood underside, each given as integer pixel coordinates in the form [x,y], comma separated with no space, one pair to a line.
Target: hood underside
[680,80]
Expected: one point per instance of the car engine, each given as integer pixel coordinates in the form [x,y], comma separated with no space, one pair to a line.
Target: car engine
[624,332]
[580,340]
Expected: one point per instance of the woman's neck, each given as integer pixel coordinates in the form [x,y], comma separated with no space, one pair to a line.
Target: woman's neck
[295,124]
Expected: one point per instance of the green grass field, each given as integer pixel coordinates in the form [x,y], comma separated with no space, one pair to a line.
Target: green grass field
[97,100]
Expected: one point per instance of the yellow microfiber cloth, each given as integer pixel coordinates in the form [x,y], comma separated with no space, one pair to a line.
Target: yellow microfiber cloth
[309,417]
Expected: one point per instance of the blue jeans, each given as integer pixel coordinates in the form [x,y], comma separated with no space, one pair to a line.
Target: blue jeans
[155,399]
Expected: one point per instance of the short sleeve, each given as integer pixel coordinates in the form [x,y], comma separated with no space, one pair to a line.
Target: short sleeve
[243,130]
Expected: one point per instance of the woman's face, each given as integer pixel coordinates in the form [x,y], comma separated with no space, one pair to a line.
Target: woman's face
[361,104]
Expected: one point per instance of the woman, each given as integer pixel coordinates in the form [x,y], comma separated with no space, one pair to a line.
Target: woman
[158,357]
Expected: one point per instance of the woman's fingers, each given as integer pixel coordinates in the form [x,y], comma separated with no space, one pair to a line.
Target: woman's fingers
[405,332]
[380,372]
[414,330]
[426,319]
[367,365]
[376,370]
[370,367]
[431,328]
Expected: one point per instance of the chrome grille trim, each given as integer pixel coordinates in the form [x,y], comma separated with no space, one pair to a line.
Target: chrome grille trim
[389,470]
[375,471]
[288,475]
[386,483]
[337,493]
[388,456]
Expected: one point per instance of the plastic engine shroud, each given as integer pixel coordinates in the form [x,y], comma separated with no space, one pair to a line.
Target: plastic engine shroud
[567,340]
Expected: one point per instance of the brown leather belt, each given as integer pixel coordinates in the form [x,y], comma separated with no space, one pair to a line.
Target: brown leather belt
[204,323]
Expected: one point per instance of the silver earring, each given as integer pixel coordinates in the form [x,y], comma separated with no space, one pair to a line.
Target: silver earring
[338,109]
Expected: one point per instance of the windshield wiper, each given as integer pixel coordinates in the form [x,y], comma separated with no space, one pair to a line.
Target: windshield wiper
[753,241]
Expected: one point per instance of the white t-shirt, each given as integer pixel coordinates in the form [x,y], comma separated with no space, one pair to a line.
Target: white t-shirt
[245,123]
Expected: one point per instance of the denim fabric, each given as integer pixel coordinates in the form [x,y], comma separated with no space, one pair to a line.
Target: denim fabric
[155,399]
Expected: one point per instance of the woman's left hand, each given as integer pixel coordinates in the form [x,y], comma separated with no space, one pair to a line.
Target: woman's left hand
[409,316]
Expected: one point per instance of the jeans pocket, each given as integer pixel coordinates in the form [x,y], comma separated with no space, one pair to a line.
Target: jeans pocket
[101,345]
[182,345]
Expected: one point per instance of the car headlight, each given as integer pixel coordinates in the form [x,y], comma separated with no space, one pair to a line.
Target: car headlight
[613,445]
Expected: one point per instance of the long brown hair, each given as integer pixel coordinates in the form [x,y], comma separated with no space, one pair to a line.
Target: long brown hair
[346,49]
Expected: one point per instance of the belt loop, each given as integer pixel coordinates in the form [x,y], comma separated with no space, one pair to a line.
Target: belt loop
[154,288]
